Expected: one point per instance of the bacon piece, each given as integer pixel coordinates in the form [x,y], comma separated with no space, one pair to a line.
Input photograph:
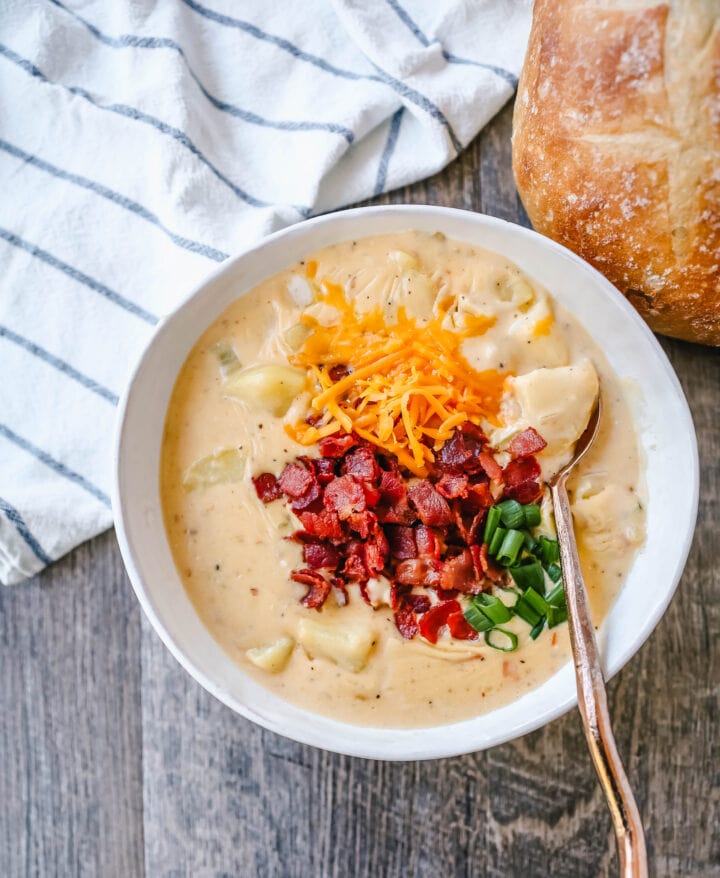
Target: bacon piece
[526,443]
[376,551]
[458,574]
[432,621]
[324,468]
[432,508]
[318,588]
[363,523]
[345,495]
[452,485]
[361,463]
[419,571]
[458,452]
[267,487]
[479,496]
[405,621]
[402,541]
[399,513]
[337,446]
[419,602]
[520,477]
[427,542]
[392,487]
[338,372]
[491,467]
[490,568]
[372,494]
[321,524]
[312,494]
[320,554]
[354,568]
[460,629]
[295,480]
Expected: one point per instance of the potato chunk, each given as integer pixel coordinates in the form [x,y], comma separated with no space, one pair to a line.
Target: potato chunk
[271,387]
[273,657]
[219,468]
[344,645]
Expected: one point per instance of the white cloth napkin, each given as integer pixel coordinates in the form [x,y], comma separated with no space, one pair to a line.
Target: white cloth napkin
[143,141]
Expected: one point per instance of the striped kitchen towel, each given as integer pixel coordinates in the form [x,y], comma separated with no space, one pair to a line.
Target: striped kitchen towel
[141,141]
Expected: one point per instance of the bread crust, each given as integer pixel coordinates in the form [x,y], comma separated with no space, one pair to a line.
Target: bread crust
[616,149]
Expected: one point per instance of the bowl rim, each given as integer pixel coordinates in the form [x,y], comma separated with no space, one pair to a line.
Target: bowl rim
[404,212]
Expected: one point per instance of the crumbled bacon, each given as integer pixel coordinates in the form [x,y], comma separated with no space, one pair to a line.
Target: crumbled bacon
[344,495]
[322,524]
[406,622]
[431,507]
[521,479]
[361,463]
[526,443]
[402,541]
[267,487]
[364,517]
[460,629]
[452,485]
[295,480]
[318,588]
[336,446]
[320,554]
[432,621]
[459,574]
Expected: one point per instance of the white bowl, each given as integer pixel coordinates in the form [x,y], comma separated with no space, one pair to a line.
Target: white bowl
[662,417]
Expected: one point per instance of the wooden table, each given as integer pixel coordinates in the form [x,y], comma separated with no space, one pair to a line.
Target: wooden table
[114,762]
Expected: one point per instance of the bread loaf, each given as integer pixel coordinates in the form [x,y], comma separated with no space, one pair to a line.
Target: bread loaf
[616,149]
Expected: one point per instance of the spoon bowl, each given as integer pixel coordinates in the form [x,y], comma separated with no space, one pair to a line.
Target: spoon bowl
[592,697]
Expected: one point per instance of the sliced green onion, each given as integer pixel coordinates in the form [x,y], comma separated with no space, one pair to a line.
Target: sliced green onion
[493,608]
[554,571]
[529,576]
[491,523]
[536,601]
[497,540]
[537,630]
[531,512]
[477,619]
[550,551]
[556,596]
[511,545]
[556,616]
[527,612]
[530,541]
[512,513]
[501,639]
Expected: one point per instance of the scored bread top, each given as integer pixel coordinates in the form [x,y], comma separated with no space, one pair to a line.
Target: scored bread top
[616,149]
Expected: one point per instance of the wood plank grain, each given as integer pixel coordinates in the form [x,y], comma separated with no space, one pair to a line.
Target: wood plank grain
[70,745]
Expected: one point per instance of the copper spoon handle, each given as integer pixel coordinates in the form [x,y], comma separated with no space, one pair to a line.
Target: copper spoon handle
[592,698]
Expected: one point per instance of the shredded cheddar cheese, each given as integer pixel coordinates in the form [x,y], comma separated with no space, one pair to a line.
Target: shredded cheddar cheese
[408,384]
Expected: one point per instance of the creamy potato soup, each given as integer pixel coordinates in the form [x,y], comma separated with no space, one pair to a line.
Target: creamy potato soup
[354,473]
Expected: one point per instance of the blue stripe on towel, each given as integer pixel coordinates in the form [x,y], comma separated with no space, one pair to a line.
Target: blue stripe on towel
[54,465]
[158,124]
[413,27]
[79,276]
[58,364]
[387,152]
[397,85]
[135,42]
[24,531]
[116,198]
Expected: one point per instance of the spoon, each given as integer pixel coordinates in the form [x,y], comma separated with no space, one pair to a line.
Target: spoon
[592,697]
